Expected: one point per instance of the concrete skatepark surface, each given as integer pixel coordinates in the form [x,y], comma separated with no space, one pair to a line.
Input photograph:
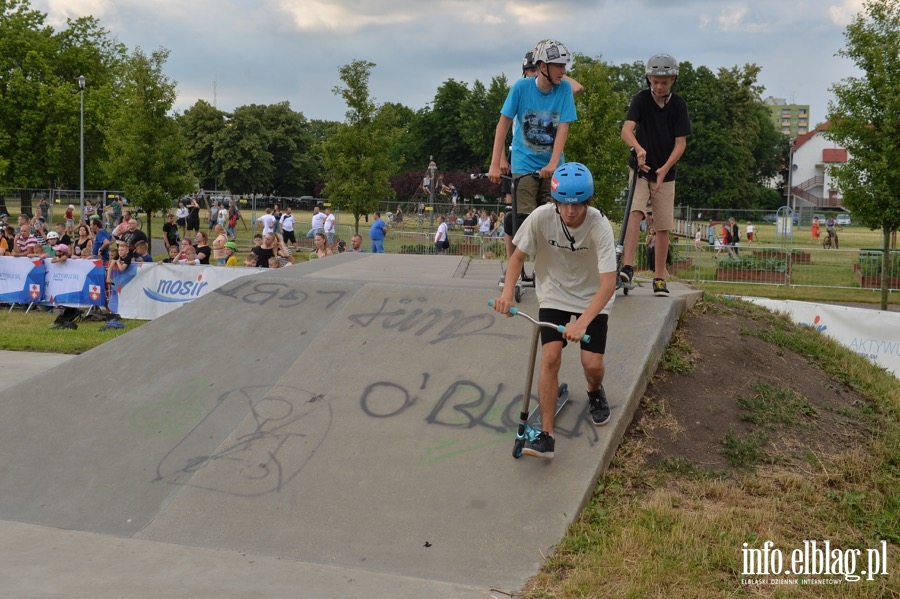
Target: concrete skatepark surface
[339,428]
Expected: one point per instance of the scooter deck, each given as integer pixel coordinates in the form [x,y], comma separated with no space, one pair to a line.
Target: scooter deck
[534,419]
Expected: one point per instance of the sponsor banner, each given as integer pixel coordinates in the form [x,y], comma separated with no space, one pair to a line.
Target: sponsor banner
[872,333]
[78,283]
[146,291]
[21,280]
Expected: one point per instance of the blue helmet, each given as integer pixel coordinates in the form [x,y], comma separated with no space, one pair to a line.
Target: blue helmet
[572,183]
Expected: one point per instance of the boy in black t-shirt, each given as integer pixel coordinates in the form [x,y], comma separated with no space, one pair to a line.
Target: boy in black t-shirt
[656,127]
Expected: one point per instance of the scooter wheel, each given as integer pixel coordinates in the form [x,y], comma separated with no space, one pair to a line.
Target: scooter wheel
[517,448]
[518,294]
[625,290]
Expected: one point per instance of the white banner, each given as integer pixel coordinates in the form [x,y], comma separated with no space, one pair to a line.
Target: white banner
[874,334]
[21,280]
[78,283]
[146,291]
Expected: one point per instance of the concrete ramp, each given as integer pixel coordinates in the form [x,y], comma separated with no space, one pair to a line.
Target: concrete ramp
[353,415]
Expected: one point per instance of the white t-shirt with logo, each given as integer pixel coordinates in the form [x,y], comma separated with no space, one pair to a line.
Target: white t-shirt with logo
[567,274]
[329,224]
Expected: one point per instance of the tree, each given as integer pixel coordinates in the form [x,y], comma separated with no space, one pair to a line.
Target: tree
[438,129]
[40,101]
[865,119]
[732,148]
[201,125]
[478,118]
[242,152]
[594,138]
[290,143]
[146,153]
[356,157]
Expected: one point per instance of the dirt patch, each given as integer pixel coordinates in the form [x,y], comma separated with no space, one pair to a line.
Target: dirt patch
[689,415]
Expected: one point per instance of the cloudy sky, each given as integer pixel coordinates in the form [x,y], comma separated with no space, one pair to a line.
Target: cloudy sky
[237,52]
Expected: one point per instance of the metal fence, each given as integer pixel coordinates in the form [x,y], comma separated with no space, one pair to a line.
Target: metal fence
[779,265]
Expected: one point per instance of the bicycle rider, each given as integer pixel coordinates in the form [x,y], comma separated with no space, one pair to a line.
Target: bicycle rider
[832,233]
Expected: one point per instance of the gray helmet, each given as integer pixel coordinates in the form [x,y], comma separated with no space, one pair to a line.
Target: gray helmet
[662,65]
[552,52]
[528,61]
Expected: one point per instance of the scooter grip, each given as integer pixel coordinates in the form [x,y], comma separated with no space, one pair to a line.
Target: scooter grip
[512,310]
[562,329]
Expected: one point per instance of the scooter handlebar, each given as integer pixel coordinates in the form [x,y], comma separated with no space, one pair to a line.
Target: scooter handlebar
[558,327]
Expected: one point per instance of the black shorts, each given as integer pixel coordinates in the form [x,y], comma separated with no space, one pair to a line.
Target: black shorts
[288,236]
[505,185]
[508,227]
[597,329]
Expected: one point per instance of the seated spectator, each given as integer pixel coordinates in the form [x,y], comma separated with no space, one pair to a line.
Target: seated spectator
[265,250]
[174,254]
[82,246]
[111,264]
[64,236]
[484,224]
[204,252]
[322,249]
[62,253]
[25,243]
[142,252]
[7,239]
[132,234]
[124,256]
[250,260]
[189,255]
[284,253]
[356,244]
[230,248]
[47,251]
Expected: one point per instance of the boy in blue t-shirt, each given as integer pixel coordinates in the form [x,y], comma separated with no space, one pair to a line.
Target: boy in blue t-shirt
[543,107]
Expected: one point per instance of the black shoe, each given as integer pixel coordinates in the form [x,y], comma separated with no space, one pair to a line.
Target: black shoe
[542,447]
[626,274]
[659,287]
[599,407]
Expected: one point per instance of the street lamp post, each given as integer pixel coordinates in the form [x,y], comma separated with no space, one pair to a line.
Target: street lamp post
[81,185]
[432,171]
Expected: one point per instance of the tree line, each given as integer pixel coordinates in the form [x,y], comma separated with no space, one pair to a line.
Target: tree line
[134,141]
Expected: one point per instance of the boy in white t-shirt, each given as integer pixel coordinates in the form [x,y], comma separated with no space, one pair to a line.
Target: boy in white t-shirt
[575,277]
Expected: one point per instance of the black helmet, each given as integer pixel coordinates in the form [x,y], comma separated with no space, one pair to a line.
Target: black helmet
[528,61]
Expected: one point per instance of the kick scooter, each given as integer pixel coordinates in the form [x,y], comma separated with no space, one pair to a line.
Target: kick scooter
[524,280]
[530,423]
[620,245]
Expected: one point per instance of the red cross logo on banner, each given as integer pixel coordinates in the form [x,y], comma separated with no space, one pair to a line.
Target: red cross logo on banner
[34,291]
[94,292]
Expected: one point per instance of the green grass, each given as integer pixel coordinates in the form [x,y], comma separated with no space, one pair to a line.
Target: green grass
[34,332]
[767,406]
[675,529]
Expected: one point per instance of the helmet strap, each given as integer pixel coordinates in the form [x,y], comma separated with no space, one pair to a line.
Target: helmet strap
[565,229]
[547,74]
